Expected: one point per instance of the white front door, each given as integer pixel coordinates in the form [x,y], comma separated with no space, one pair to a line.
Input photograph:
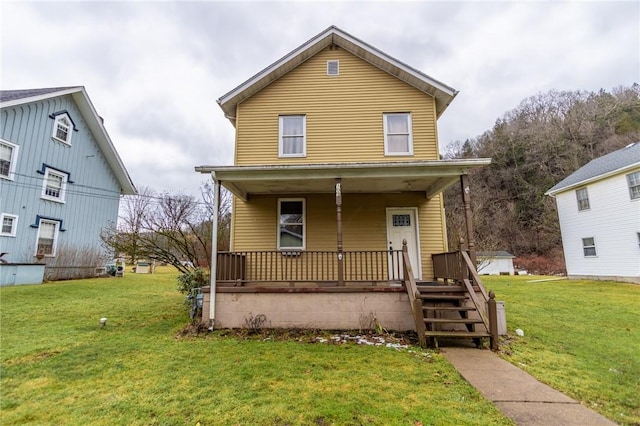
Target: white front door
[402,225]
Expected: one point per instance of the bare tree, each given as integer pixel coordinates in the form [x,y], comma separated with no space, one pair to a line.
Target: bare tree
[169,228]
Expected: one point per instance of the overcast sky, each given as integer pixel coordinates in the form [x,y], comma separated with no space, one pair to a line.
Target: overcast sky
[154,70]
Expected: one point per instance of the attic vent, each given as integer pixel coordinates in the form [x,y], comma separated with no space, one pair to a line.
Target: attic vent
[333,67]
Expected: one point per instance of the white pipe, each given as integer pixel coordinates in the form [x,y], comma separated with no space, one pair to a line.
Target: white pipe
[214,250]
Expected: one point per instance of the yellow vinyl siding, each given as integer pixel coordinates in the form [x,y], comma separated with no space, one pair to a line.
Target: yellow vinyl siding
[344,114]
[364,223]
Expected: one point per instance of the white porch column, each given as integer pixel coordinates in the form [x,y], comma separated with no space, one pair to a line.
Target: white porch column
[214,249]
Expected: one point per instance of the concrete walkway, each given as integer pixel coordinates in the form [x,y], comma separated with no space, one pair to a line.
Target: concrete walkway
[517,394]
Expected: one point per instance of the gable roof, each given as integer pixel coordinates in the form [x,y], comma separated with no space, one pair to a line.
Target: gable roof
[9,98]
[442,93]
[613,163]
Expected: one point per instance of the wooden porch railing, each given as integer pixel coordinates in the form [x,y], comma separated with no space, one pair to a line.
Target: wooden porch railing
[241,267]
[414,294]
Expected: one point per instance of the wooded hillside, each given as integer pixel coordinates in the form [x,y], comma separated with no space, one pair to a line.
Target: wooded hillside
[533,147]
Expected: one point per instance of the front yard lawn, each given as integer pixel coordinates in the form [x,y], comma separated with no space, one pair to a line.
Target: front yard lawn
[580,337]
[58,366]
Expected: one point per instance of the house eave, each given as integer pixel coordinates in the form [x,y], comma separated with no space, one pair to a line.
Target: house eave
[94,122]
[430,177]
[442,93]
[623,170]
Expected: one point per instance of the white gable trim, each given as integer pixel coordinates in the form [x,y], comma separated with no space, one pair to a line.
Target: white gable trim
[94,122]
[333,35]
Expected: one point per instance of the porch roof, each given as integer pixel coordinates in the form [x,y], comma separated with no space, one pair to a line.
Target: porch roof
[430,177]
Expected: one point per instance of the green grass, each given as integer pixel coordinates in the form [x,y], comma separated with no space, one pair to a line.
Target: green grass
[58,366]
[581,337]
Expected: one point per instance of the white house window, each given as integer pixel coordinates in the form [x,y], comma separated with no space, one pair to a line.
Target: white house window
[589,247]
[291,224]
[583,199]
[9,224]
[293,136]
[62,129]
[47,237]
[333,67]
[8,157]
[398,137]
[633,180]
[54,185]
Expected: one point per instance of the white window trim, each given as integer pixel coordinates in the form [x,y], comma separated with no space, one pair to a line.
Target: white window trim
[580,209]
[63,189]
[629,186]
[14,225]
[410,128]
[55,129]
[56,232]
[589,246]
[304,225]
[14,159]
[304,137]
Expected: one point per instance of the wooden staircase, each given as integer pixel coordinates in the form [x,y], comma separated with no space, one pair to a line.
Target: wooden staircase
[447,314]
[456,307]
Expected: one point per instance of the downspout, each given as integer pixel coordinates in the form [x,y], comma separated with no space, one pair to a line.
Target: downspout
[214,250]
[339,227]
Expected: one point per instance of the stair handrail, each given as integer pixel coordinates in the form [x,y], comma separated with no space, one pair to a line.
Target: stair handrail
[412,291]
[490,318]
[474,274]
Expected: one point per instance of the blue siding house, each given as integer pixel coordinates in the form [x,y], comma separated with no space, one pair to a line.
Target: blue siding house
[61,178]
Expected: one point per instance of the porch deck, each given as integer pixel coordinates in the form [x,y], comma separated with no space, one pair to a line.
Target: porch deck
[352,289]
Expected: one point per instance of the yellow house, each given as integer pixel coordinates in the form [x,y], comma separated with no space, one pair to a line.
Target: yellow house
[337,183]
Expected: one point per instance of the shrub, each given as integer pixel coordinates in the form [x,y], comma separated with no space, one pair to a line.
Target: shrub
[194,278]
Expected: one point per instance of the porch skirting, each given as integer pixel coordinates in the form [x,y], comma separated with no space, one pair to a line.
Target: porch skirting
[330,310]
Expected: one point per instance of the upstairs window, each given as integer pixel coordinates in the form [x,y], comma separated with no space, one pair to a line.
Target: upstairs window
[589,247]
[47,237]
[293,136]
[633,180]
[8,157]
[54,185]
[9,224]
[398,137]
[291,224]
[62,128]
[583,199]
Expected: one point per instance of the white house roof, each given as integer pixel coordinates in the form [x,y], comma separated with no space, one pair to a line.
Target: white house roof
[442,93]
[9,98]
[613,163]
[495,254]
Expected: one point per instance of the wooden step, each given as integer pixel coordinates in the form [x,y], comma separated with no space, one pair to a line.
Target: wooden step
[452,321]
[441,289]
[456,334]
[441,297]
[449,308]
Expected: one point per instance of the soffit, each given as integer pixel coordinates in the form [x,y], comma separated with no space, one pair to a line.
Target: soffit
[430,177]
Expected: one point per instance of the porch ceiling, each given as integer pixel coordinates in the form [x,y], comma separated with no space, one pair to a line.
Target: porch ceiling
[430,177]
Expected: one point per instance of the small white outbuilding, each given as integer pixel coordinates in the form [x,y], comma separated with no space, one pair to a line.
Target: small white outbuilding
[495,263]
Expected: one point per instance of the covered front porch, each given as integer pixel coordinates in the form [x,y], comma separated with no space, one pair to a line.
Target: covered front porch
[363,234]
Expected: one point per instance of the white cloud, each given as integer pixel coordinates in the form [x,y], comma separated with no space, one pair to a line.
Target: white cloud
[155,70]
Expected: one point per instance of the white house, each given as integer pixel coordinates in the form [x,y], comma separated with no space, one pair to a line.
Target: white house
[599,213]
[495,263]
